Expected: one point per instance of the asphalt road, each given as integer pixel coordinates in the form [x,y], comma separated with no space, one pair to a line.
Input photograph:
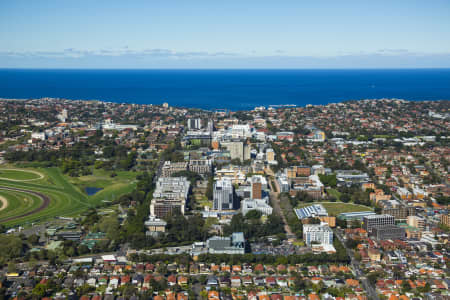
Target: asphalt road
[370,290]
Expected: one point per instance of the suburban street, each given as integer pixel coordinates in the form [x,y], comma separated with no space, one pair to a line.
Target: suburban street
[371,292]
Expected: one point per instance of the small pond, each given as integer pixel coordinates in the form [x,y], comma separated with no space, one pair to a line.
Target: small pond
[92,190]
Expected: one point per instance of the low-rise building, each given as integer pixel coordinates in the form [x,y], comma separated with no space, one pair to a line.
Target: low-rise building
[234,244]
[316,210]
[388,232]
[200,166]
[170,168]
[261,205]
[372,221]
[155,226]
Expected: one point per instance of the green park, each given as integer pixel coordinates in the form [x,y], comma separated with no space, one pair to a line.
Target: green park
[33,195]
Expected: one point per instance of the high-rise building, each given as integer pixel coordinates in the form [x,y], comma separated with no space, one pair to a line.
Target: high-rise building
[210,126]
[238,150]
[320,233]
[194,123]
[223,195]
[270,155]
[63,115]
[372,221]
[256,188]
[170,195]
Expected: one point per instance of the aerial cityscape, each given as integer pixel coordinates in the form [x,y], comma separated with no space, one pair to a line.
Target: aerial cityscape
[225,150]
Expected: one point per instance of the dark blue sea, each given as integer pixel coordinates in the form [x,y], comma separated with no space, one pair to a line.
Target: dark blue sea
[230,89]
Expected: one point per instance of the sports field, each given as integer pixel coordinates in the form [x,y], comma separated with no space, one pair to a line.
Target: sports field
[20,175]
[335,208]
[36,195]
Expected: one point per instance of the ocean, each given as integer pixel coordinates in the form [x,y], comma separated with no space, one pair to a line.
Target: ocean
[226,89]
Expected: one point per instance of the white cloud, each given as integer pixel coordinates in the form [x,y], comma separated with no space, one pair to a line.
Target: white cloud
[125,51]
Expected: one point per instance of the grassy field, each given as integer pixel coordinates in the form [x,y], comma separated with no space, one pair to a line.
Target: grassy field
[18,203]
[334,192]
[19,175]
[335,208]
[111,187]
[67,196]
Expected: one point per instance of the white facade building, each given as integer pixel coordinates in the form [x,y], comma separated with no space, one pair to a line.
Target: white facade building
[261,205]
[320,233]
[223,195]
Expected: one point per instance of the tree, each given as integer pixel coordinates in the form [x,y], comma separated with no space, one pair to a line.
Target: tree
[210,188]
[329,180]
[373,277]
[110,226]
[40,290]
[253,214]
[12,267]
[351,243]
[11,246]
[345,198]
[33,239]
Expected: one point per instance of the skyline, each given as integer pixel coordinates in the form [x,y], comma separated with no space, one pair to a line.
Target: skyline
[157,35]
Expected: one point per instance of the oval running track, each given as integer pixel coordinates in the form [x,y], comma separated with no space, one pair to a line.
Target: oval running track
[45,203]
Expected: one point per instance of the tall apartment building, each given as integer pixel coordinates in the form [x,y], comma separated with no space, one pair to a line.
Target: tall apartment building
[256,188]
[238,150]
[223,195]
[210,126]
[194,123]
[372,221]
[170,195]
[320,233]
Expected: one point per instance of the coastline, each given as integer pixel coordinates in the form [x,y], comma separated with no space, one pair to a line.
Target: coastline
[274,106]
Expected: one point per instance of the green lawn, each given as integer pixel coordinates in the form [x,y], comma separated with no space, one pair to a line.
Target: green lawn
[112,187]
[18,203]
[334,192]
[67,194]
[18,174]
[335,208]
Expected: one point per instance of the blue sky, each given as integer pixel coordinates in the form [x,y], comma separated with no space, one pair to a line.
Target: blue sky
[225,34]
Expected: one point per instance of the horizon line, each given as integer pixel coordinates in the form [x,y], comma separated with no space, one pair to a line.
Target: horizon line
[231,69]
